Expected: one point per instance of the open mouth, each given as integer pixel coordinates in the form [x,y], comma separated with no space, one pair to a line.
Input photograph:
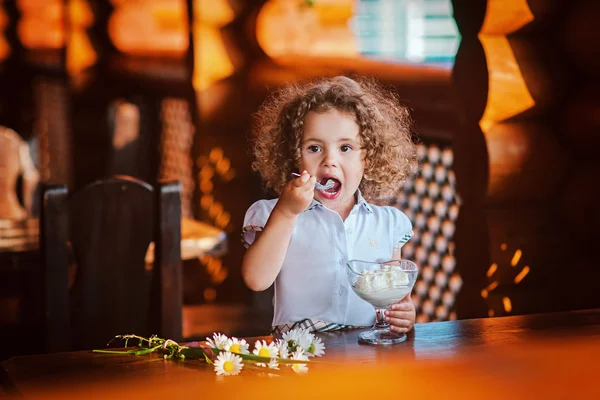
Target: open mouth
[332,192]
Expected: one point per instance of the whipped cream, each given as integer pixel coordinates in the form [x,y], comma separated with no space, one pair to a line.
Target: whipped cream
[384,286]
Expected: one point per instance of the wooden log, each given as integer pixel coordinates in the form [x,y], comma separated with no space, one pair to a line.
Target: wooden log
[517,17]
[520,81]
[579,211]
[580,123]
[470,77]
[469,16]
[581,37]
[526,162]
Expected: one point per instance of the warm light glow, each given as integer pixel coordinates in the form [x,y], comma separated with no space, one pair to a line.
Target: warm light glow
[504,17]
[492,286]
[215,210]
[80,52]
[207,172]
[219,276]
[216,153]
[507,304]
[484,294]
[210,294]
[223,219]
[491,270]
[503,247]
[150,27]
[223,166]
[215,164]
[288,28]
[213,265]
[490,313]
[516,258]
[206,201]
[4,47]
[206,186]
[3,17]
[213,12]
[211,61]
[508,94]
[211,58]
[522,274]
[41,25]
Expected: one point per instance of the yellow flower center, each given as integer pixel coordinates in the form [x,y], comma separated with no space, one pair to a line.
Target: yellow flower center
[228,366]
[264,352]
[235,348]
[296,367]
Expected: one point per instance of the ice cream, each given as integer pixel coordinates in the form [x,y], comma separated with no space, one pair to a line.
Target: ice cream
[382,287]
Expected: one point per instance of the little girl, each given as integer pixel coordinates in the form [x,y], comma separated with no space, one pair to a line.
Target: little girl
[356,135]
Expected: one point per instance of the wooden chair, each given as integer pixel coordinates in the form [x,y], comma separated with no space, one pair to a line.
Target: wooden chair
[109,225]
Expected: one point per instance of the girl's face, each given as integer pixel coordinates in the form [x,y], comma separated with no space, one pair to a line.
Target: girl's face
[331,149]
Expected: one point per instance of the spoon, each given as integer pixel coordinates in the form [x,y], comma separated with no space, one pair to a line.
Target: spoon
[328,185]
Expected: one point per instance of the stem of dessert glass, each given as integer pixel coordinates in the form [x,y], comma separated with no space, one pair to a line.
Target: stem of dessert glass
[380,318]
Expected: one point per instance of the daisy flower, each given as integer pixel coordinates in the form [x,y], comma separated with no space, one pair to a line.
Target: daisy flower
[316,348]
[305,339]
[283,348]
[298,337]
[299,368]
[264,350]
[228,364]
[273,364]
[236,345]
[218,341]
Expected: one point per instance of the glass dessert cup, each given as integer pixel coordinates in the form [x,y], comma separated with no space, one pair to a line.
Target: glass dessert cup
[381,284]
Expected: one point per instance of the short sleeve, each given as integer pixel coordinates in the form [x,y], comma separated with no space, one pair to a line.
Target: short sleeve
[403,227]
[255,220]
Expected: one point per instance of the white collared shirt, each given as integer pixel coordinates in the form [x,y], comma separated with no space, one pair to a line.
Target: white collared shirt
[313,282]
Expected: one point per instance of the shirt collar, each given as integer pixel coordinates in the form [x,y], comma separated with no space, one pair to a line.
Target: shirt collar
[360,202]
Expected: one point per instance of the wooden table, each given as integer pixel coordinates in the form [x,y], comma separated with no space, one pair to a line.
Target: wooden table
[550,355]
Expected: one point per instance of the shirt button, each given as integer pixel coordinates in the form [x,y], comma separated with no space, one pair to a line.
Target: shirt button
[348,231]
[343,291]
[341,261]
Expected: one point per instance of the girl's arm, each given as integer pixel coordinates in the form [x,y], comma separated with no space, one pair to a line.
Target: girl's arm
[264,258]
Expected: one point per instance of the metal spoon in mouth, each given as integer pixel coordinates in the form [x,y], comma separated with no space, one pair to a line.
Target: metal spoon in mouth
[328,185]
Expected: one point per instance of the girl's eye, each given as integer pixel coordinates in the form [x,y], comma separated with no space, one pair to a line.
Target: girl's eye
[313,148]
[345,148]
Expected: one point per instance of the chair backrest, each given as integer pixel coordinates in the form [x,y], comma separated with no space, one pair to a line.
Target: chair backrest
[110,225]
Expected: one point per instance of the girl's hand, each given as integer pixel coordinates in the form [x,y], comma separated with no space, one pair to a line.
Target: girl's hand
[401,315]
[297,194]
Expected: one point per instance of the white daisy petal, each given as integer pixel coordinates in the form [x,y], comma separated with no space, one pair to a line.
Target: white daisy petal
[299,368]
[283,348]
[273,364]
[228,364]
[298,337]
[265,350]
[235,345]
[218,341]
[305,339]
[317,348]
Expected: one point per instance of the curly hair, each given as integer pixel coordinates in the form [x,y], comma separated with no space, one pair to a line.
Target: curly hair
[384,129]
